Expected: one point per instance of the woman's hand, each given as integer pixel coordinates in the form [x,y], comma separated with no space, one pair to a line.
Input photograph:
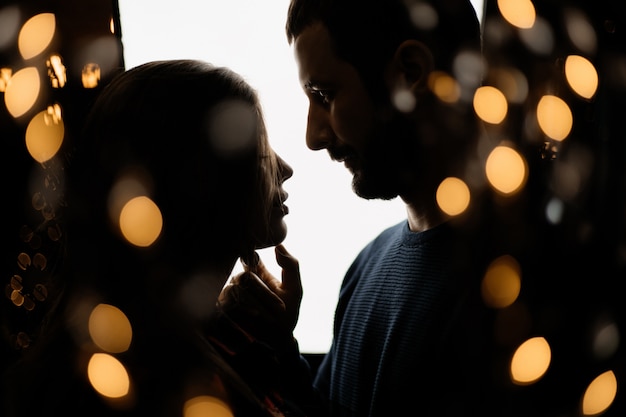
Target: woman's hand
[262,305]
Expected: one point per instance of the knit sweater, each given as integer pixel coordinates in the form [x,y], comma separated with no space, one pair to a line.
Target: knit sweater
[400,342]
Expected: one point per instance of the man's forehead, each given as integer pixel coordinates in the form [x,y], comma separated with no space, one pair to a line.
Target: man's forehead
[314,51]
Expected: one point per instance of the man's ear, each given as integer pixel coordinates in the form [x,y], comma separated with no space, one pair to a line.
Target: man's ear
[412,64]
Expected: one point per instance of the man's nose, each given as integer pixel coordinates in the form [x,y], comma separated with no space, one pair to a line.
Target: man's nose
[319,133]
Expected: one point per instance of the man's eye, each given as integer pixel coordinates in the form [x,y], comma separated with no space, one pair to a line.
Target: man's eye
[323,96]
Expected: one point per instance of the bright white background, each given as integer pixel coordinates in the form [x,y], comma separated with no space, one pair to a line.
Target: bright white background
[327,223]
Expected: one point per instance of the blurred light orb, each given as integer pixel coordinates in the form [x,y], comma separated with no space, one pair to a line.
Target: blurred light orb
[206,406]
[110,329]
[141,221]
[600,394]
[444,87]
[506,170]
[469,68]
[606,340]
[540,38]
[90,75]
[56,71]
[581,75]
[580,31]
[9,25]
[512,82]
[232,127]
[554,117]
[453,196]
[554,211]
[36,35]
[519,13]
[44,136]
[404,101]
[22,91]
[103,51]
[490,104]
[501,284]
[530,361]
[423,16]
[5,76]
[108,376]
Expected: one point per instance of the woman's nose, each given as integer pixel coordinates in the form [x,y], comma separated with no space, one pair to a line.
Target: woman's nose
[318,131]
[285,169]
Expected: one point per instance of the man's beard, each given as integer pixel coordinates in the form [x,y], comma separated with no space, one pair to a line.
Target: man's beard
[388,164]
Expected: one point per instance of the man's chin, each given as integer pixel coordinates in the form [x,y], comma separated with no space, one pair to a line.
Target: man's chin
[369,190]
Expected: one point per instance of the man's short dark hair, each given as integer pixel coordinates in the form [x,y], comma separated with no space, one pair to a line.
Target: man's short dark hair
[366,33]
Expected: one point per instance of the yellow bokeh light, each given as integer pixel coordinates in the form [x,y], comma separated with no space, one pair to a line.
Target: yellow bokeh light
[206,405]
[22,91]
[519,13]
[581,75]
[56,71]
[90,75]
[600,394]
[36,35]
[554,117]
[530,361]
[502,282]
[110,329]
[453,196]
[5,76]
[444,87]
[506,170]
[108,376]
[490,104]
[141,221]
[44,134]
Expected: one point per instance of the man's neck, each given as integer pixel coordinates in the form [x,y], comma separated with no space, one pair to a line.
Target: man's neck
[422,217]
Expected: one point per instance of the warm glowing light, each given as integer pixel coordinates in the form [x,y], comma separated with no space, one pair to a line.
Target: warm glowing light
[22,91]
[519,13]
[112,25]
[104,51]
[444,87]
[512,82]
[108,376]
[502,282]
[530,361]
[554,117]
[5,76]
[44,134]
[581,75]
[36,35]
[453,196]
[490,104]
[56,71]
[141,221]
[600,394]
[110,329]
[206,405]
[91,75]
[506,170]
